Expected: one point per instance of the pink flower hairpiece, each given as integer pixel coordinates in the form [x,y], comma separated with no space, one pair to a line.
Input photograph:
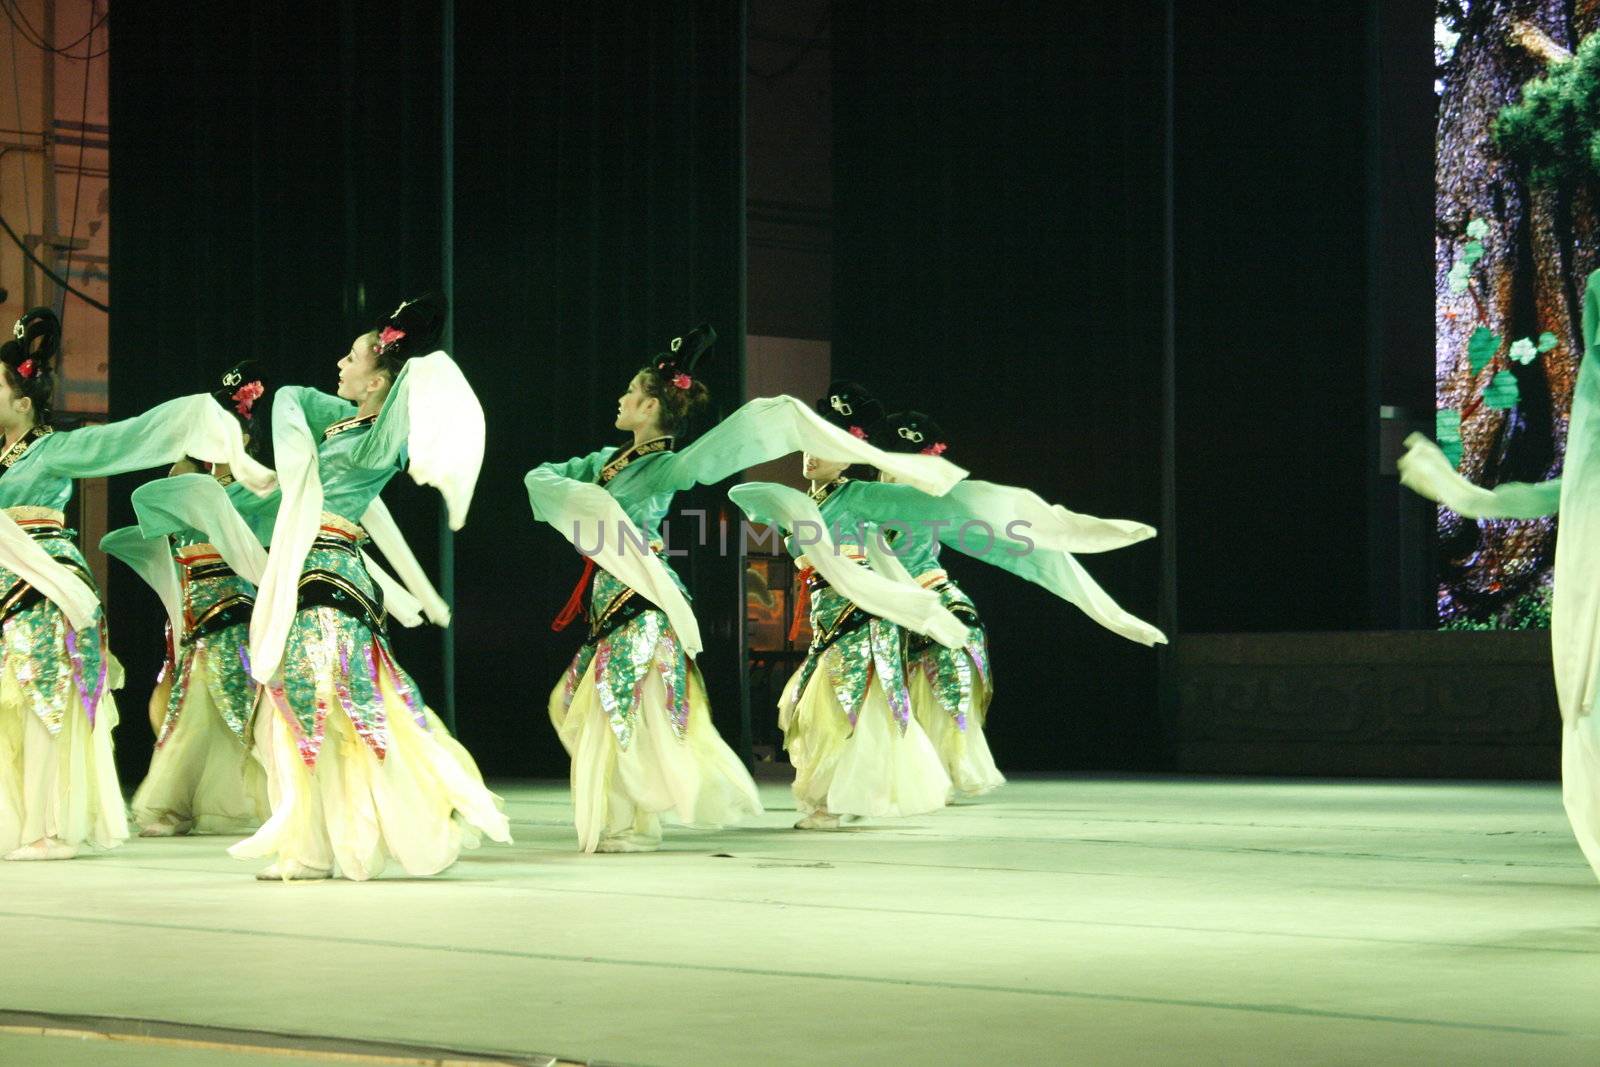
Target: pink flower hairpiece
[245,397]
[388,336]
[856,431]
[26,368]
[935,449]
[682,381]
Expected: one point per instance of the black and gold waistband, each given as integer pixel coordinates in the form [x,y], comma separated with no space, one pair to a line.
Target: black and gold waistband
[327,589]
[229,611]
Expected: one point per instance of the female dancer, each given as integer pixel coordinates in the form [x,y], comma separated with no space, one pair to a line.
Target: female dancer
[202,778]
[857,747]
[846,713]
[358,769]
[58,785]
[950,688]
[1575,609]
[631,709]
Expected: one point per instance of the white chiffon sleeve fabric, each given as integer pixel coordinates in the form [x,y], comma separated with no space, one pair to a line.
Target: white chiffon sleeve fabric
[900,601]
[589,517]
[398,603]
[413,596]
[192,425]
[1050,526]
[188,426]
[1064,576]
[199,502]
[151,559]
[1427,471]
[772,427]
[299,515]
[183,502]
[22,555]
[435,416]
[1021,533]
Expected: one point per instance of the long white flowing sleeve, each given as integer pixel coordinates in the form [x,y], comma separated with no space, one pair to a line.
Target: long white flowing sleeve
[151,559]
[199,502]
[398,603]
[772,427]
[414,593]
[1064,576]
[192,425]
[1008,512]
[900,601]
[188,426]
[299,515]
[433,414]
[1426,471]
[1016,530]
[595,523]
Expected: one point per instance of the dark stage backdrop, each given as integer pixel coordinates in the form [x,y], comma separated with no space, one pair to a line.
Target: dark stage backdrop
[1303,169]
[278,186]
[998,196]
[599,213]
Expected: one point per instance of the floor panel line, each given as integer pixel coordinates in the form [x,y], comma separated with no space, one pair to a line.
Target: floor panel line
[823,976]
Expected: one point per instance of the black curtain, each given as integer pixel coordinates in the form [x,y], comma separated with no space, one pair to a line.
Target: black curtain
[598,214]
[998,198]
[1274,368]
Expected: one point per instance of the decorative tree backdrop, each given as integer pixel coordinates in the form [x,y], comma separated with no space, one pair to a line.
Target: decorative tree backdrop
[1516,174]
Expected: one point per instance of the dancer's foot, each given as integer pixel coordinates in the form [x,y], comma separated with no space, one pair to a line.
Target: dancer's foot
[625,844]
[821,819]
[290,871]
[46,848]
[169,826]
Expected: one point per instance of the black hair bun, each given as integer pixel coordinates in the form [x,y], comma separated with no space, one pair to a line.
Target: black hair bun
[684,352]
[241,387]
[909,431]
[414,328]
[850,406]
[34,344]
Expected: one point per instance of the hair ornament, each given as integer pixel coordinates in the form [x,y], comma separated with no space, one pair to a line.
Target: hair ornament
[244,400]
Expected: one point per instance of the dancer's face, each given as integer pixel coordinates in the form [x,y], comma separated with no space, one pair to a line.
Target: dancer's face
[885,476]
[635,409]
[16,410]
[359,376]
[820,470]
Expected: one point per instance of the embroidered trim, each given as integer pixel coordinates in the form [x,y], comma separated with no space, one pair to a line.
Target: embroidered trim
[16,451]
[348,424]
[619,462]
[821,493]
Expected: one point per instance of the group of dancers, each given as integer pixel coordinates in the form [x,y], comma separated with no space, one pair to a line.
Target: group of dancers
[282,715]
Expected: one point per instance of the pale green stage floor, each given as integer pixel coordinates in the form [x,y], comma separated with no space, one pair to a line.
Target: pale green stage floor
[1063,921]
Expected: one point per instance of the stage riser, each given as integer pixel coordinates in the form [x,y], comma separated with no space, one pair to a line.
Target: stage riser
[1404,704]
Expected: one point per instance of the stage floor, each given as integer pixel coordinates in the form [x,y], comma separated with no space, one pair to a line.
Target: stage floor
[1062,921]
